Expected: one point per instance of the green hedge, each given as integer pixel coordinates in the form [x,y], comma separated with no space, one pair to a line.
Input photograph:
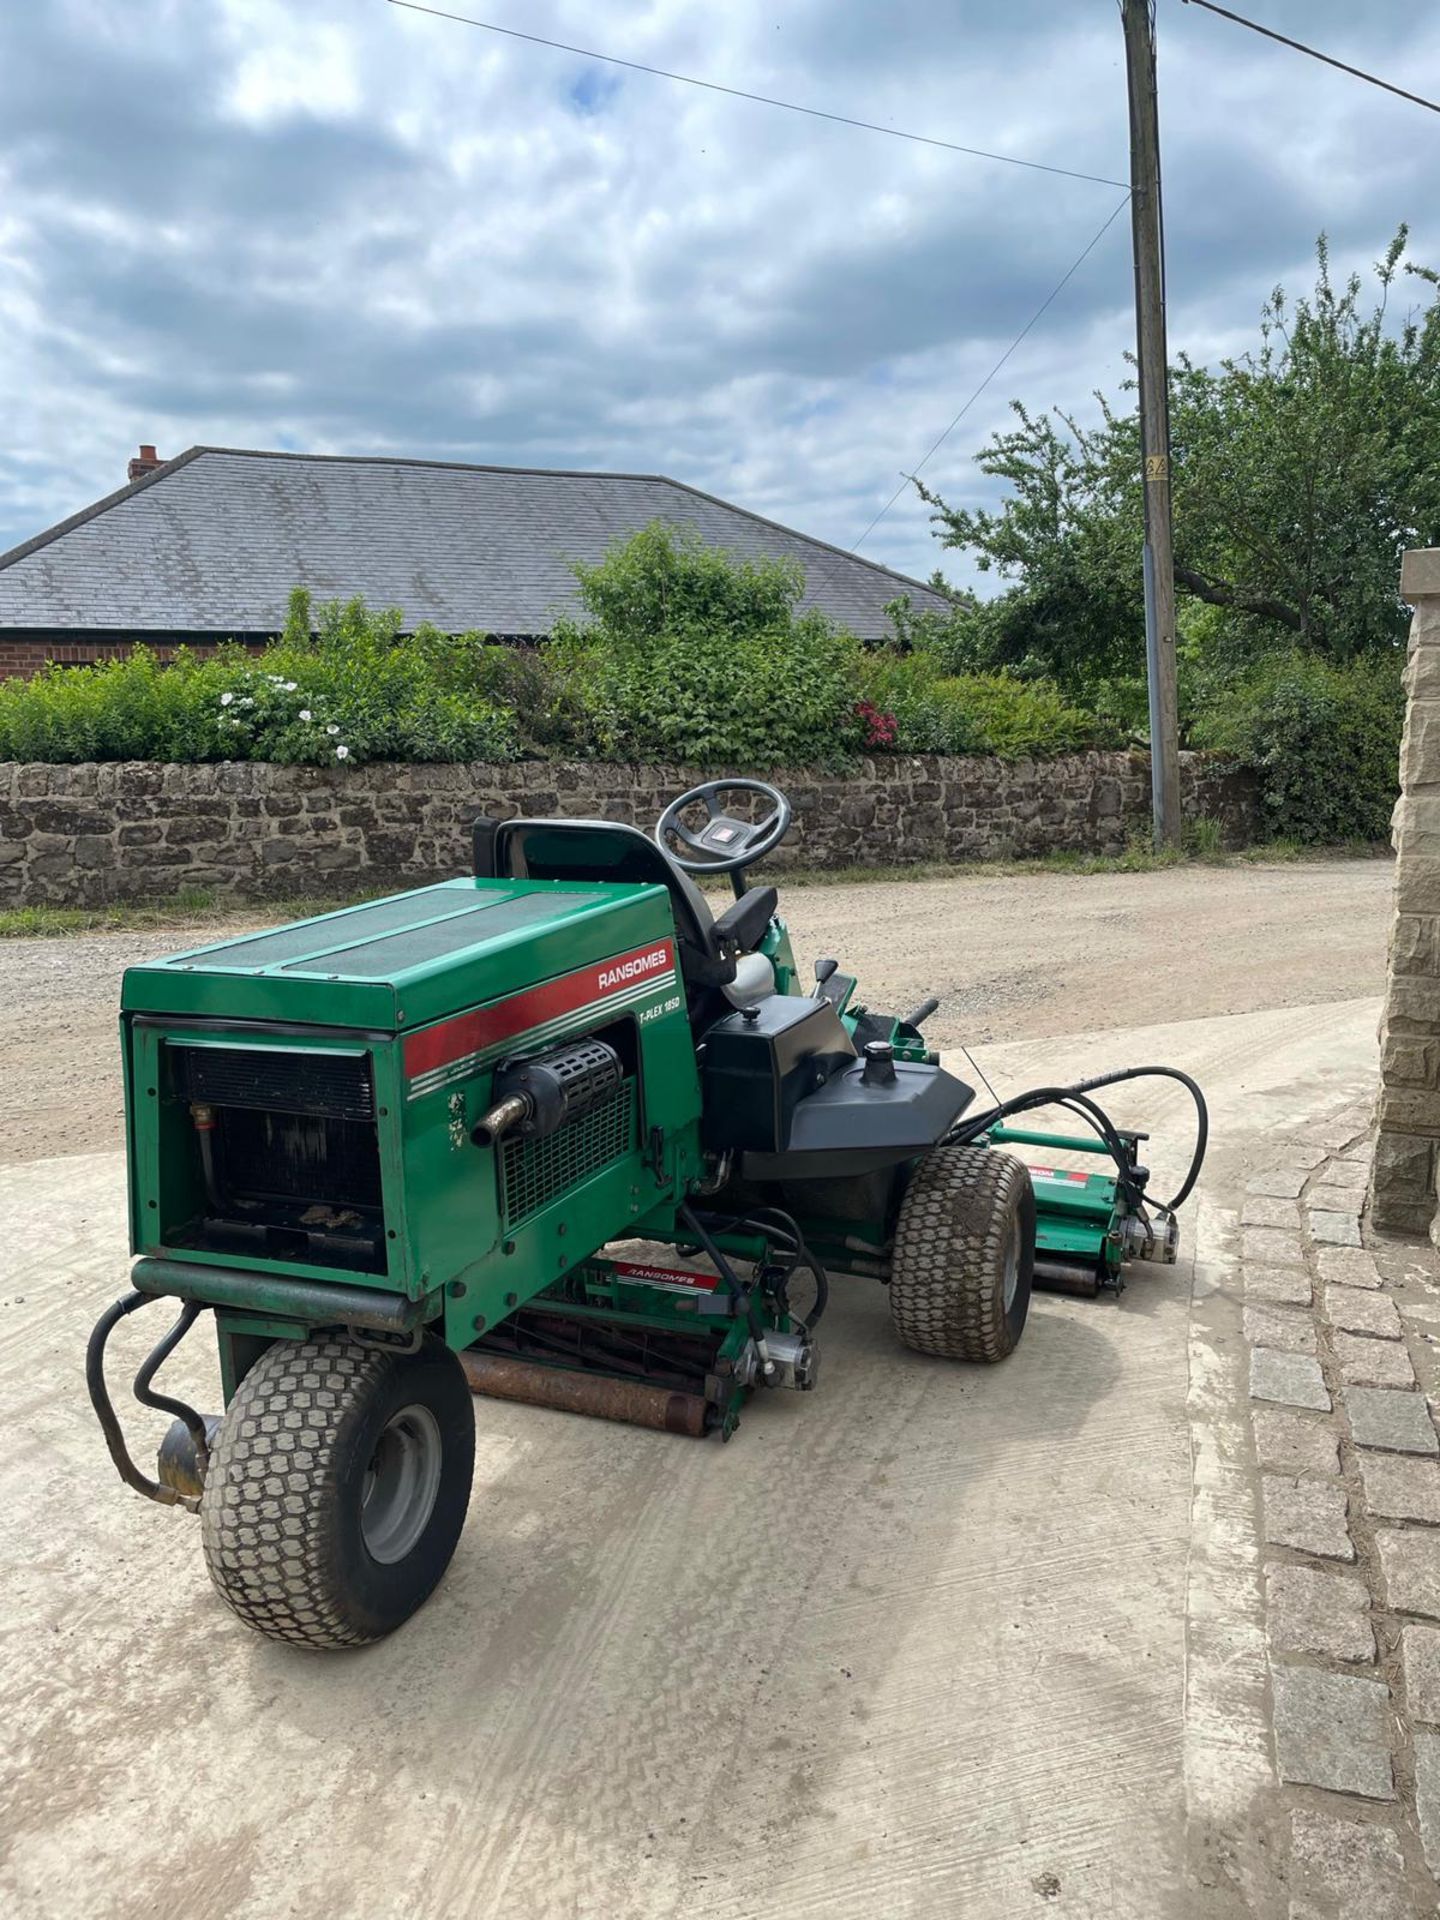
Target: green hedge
[993,713]
[690,654]
[686,653]
[1324,740]
[355,690]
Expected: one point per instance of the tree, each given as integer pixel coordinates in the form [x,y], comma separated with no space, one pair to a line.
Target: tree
[1301,472]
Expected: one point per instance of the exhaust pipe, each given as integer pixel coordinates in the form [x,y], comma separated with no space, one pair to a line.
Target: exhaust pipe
[501,1117]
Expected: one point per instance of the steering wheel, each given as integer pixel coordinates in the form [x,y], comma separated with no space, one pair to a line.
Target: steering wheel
[724,844]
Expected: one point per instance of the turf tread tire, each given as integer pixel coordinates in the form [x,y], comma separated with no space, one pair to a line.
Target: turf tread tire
[947,1271]
[279,1514]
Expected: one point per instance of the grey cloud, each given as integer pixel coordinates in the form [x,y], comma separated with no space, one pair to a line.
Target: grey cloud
[505,254]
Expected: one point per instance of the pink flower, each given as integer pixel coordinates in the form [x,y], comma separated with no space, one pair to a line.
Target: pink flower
[881,729]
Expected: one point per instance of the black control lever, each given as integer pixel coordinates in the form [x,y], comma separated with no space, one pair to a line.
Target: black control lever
[917,1016]
[824,967]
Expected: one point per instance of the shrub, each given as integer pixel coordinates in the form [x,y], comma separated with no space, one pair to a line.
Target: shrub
[355,690]
[546,692]
[1324,740]
[131,709]
[689,655]
[386,695]
[936,712]
[903,685]
[1026,719]
[693,655]
[961,640]
[777,699]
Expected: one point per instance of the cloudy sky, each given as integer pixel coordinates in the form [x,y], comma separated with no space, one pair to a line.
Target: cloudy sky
[336,226]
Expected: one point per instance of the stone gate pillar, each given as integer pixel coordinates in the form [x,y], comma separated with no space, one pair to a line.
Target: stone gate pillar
[1407,1147]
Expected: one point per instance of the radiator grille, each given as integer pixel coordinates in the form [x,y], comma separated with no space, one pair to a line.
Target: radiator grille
[336,1085]
[535,1172]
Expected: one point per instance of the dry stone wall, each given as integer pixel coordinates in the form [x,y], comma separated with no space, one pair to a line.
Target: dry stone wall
[88,835]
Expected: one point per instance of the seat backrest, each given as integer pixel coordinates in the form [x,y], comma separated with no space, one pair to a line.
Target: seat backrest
[606,850]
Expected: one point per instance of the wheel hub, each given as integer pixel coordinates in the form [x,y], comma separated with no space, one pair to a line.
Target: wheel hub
[401,1483]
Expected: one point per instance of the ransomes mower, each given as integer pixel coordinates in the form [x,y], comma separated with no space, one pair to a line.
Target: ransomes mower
[405,1152]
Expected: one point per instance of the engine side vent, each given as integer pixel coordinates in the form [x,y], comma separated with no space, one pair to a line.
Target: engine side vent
[334,1086]
[535,1172]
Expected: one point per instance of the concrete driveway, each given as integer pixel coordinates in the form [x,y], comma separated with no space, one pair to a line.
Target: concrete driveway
[934,1641]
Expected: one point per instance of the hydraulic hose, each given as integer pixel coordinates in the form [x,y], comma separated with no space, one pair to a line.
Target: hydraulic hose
[144,1393]
[1076,1099]
[772,1223]
[1202,1119]
[1067,1097]
[741,1296]
[776,1228]
[104,1410]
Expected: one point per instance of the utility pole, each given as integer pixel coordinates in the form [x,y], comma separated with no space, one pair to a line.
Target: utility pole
[1148,233]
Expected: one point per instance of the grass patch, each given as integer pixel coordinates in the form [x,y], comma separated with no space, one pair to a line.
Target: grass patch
[193,912]
[1137,857]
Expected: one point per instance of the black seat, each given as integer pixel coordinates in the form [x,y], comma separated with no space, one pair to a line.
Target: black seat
[607,851]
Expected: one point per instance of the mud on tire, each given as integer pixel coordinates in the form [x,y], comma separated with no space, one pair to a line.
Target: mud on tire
[338,1488]
[964,1257]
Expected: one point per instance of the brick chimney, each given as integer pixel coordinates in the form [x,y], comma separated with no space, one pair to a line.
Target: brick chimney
[147,462]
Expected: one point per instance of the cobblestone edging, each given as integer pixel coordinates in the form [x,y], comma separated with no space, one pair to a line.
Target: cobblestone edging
[85,835]
[1342,1360]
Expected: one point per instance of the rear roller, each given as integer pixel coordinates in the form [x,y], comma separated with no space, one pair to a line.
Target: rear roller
[337,1488]
[964,1257]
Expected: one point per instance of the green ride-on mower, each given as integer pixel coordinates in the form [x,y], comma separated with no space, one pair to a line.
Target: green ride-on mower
[398,1151]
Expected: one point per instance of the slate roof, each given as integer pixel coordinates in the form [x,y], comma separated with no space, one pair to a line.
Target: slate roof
[214,540]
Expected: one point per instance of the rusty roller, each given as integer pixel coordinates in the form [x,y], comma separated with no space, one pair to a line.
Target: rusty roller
[635,1402]
[1059,1276]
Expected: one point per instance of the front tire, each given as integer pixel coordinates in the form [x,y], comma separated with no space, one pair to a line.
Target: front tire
[338,1487]
[964,1258]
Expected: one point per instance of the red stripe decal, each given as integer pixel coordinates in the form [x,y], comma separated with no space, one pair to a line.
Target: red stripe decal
[468,1033]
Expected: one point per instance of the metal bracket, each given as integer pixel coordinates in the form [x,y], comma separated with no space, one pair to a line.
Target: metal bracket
[388,1342]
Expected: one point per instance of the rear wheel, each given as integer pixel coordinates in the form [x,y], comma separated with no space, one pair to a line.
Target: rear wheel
[338,1487]
[964,1257]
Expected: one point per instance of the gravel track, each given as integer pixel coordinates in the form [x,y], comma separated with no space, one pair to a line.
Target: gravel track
[914,1646]
[1022,955]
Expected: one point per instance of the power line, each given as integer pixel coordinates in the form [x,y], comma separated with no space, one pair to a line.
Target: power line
[1314,53]
[760,99]
[1039,312]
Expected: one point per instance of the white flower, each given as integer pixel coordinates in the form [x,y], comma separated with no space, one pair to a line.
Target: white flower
[247,701]
[332,730]
[288,685]
[305,714]
[342,753]
[226,698]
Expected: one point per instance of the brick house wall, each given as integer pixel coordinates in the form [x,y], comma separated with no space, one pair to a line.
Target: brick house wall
[23,655]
